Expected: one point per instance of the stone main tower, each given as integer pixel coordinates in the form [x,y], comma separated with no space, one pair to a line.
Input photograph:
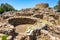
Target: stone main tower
[42,5]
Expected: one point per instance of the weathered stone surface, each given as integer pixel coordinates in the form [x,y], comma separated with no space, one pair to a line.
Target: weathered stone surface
[42,5]
[6,28]
[9,37]
[39,23]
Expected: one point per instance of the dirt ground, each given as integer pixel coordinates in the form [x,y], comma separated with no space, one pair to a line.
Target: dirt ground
[22,28]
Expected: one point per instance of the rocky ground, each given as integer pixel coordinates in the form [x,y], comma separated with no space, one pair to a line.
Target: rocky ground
[38,23]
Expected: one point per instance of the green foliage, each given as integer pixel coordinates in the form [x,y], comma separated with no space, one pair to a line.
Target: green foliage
[4,37]
[59,2]
[58,5]
[1,10]
[6,7]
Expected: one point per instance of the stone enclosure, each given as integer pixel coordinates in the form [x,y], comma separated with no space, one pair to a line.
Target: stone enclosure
[38,23]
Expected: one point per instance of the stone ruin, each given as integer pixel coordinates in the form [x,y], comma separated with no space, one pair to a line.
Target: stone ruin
[38,23]
[42,5]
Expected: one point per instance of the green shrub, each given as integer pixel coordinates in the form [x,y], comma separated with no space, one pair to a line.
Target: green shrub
[4,37]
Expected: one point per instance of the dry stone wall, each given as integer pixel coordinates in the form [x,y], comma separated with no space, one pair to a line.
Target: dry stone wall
[38,23]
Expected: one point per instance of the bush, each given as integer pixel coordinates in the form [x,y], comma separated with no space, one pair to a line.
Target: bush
[4,37]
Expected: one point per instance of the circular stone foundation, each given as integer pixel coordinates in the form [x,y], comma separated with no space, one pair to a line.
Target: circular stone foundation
[21,21]
[21,24]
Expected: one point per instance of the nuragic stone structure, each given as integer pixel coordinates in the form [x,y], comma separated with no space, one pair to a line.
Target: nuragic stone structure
[39,23]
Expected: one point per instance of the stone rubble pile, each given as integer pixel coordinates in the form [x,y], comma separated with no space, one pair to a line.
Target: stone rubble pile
[45,27]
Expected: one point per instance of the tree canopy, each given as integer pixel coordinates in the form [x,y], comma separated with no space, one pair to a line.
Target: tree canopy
[6,7]
[1,10]
[58,5]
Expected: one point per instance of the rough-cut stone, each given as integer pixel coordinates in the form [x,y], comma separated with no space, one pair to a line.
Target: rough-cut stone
[42,5]
[6,28]
[39,23]
[57,29]
[9,37]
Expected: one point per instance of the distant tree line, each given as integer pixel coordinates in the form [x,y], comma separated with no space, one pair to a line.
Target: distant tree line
[58,5]
[6,7]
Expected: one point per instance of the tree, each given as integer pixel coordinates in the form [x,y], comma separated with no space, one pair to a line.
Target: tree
[58,5]
[1,10]
[59,2]
[6,7]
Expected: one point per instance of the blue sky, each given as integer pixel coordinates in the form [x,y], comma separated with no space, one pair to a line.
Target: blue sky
[19,4]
